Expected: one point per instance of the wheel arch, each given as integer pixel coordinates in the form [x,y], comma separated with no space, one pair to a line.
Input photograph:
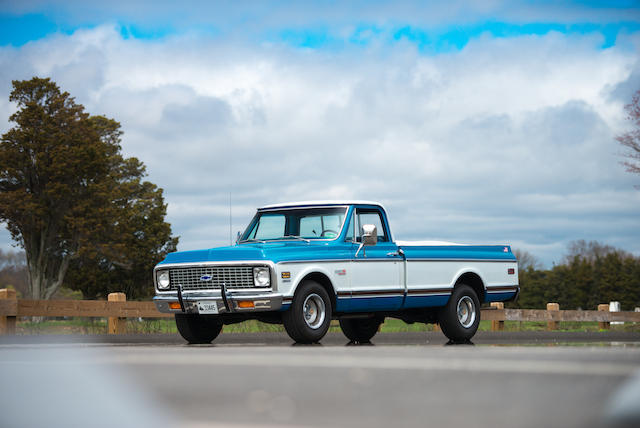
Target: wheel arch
[322,279]
[473,280]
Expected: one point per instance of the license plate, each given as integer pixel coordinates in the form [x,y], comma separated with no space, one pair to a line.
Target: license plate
[207,307]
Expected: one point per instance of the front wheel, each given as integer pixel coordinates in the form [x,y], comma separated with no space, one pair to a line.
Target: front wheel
[309,316]
[197,329]
[460,318]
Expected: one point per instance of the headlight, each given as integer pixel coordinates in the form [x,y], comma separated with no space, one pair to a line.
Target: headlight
[261,277]
[162,279]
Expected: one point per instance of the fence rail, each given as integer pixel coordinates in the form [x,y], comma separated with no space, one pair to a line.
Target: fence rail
[556,316]
[117,310]
[87,308]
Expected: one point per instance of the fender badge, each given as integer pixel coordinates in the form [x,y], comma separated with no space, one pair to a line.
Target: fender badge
[341,272]
[285,275]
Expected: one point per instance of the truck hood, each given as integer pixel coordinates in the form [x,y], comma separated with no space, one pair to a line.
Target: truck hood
[272,251]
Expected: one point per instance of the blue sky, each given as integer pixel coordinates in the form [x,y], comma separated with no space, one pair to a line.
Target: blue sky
[472,122]
[34,20]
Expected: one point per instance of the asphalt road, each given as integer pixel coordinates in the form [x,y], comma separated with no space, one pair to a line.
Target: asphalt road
[262,382]
[525,338]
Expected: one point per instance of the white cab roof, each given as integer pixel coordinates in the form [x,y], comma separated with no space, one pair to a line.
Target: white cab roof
[320,203]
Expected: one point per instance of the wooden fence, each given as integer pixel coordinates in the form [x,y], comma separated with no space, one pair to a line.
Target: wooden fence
[117,309]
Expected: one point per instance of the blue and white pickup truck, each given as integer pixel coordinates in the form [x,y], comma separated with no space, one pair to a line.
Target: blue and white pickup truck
[304,264]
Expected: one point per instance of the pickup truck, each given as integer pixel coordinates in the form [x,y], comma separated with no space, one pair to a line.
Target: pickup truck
[304,264]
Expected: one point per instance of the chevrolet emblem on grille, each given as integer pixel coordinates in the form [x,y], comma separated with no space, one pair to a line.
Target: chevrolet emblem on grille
[206,278]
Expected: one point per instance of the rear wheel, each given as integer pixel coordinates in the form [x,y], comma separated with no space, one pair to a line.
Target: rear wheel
[309,316]
[460,318]
[360,329]
[198,328]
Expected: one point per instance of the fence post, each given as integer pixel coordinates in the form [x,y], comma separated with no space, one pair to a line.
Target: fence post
[8,323]
[497,325]
[116,325]
[553,325]
[603,325]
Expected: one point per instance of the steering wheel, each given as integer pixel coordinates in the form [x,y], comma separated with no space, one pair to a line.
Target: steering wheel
[329,230]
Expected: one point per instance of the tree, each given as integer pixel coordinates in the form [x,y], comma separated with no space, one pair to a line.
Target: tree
[589,250]
[66,192]
[631,139]
[146,241]
[526,260]
[591,273]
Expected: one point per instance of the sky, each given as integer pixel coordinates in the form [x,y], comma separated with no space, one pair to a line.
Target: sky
[473,122]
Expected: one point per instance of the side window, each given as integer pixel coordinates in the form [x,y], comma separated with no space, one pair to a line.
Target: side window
[374,219]
[363,217]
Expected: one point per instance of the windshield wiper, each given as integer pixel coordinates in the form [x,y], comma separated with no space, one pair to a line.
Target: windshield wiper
[296,237]
[253,240]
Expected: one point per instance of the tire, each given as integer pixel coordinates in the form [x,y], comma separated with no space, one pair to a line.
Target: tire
[197,329]
[460,318]
[309,316]
[360,330]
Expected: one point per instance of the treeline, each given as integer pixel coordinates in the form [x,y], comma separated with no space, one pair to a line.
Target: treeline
[590,274]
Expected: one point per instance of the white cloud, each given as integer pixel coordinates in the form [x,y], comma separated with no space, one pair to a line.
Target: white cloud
[506,140]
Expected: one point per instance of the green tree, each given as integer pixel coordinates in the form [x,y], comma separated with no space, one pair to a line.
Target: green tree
[66,192]
[591,273]
[145,238]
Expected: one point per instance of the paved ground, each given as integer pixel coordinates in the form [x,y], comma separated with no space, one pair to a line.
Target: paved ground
[338,339]
[260,380]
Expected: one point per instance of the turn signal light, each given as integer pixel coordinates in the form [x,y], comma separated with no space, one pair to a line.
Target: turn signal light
[174,305]
[511,271]
[246,304]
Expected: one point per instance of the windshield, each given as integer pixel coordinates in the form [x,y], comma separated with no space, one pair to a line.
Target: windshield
[307,223]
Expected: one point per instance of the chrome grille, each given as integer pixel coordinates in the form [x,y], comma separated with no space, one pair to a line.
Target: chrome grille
[192,278]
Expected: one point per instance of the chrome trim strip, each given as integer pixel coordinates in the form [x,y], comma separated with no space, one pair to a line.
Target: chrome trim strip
[505,289]
[213,263]
[365,296]
[428,294]
[379,292]
[395,260]
[430,290]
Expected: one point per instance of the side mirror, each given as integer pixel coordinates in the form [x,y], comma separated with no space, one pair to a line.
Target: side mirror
[369,238]
[369,235]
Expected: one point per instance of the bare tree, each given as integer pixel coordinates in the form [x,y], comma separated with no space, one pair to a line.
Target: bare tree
[589,250]
[526,260]
[631,139]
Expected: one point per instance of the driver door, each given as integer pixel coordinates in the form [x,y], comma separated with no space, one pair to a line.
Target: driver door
[376,271]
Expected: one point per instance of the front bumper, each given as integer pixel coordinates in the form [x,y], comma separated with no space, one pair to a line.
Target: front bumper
[262,302]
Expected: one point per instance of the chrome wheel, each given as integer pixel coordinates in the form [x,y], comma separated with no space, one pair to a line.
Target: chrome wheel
[466,311]
[314,311]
